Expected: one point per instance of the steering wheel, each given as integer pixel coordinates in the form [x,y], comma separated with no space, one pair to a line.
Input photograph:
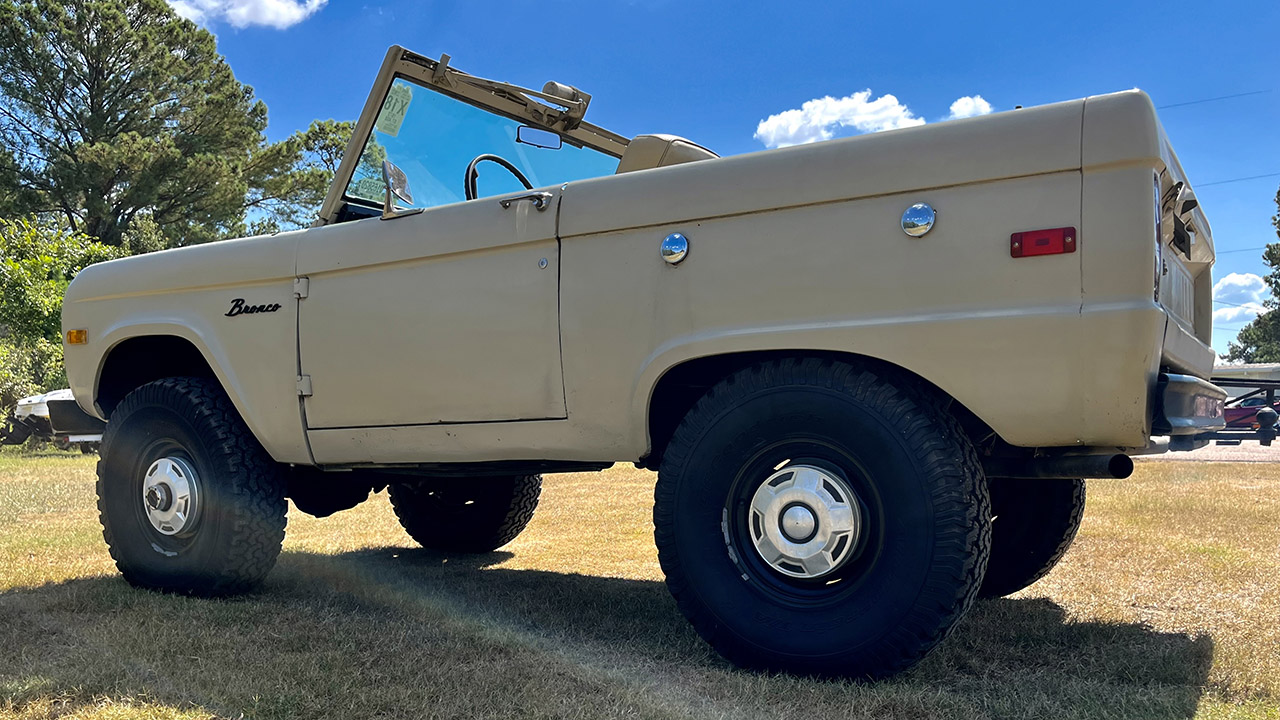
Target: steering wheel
[469,180]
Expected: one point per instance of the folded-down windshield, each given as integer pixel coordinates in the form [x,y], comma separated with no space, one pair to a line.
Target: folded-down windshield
[433,138]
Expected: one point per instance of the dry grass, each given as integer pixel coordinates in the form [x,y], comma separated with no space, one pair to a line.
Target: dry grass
[1167,607]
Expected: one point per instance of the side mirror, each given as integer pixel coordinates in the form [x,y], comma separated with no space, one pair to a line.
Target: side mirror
[538,137]
[397,186]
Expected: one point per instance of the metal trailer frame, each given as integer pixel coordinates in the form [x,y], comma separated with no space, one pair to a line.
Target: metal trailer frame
[1267,416]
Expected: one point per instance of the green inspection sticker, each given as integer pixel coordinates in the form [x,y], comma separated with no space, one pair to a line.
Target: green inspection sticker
[368,188]
[394,108]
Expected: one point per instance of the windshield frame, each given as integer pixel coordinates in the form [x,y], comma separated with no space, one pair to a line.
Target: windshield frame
[521,105]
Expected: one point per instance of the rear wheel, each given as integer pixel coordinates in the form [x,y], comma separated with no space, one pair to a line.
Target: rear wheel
[466,514]
[189,500]
[1033,523]
[821,517]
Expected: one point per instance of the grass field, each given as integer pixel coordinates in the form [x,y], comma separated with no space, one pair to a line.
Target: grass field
[1168,606]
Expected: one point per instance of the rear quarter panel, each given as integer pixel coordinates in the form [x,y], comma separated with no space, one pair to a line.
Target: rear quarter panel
[1000,334]
[802,249]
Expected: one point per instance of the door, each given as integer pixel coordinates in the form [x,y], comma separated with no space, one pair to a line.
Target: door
[450,315]
[447,316]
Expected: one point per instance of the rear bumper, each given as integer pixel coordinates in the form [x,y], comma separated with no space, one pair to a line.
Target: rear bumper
[1187,405]
[66,418]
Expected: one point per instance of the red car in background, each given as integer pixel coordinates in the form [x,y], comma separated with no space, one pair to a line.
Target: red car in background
[1242,414]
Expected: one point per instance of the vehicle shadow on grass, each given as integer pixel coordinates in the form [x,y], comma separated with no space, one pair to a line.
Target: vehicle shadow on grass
[1018,657]
[393,632]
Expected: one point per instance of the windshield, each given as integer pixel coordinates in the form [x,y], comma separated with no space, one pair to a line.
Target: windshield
[433,137]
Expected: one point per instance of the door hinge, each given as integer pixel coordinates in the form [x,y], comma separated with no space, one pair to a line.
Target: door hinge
[304,385]
[300,287]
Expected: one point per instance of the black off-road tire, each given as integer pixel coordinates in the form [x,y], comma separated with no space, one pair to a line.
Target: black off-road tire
[237,528]
[470,515]
[1034,522]
[922,495]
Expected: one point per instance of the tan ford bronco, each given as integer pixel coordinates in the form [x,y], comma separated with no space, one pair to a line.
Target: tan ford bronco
[870,372]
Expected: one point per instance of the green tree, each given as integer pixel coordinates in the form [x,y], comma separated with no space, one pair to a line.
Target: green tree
[27,368]
[324,144]
[292,199]
[112,111]
[37,261]
[1259,341]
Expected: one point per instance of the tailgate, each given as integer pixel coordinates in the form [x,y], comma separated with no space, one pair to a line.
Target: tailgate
[1184,260]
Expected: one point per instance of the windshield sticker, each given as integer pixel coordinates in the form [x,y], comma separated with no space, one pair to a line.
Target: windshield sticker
[369,188]
[394,108]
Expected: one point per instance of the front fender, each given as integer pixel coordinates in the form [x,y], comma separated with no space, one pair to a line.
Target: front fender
[253,357]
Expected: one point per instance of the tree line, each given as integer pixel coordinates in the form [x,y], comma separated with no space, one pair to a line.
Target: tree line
[1259,341]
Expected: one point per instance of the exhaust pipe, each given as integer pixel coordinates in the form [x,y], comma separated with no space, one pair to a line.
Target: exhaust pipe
[1118,466]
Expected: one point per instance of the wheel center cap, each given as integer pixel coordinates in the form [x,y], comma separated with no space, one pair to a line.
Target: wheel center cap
[159,498]
[799,523]
[170,495]
[804,521]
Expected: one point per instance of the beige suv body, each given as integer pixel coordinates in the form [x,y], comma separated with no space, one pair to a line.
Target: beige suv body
[545,329]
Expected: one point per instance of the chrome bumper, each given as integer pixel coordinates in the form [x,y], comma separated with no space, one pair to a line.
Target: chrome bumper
[1187,405]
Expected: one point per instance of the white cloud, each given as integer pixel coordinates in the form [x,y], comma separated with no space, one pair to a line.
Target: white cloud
[821,118]
[825,117]
[1240,297]
[969,106]
[278,14]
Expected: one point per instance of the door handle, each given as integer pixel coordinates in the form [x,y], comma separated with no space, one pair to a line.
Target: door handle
[541,200]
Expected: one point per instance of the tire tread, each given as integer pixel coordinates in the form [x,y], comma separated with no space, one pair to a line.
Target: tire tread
[1059,509]
[946,457]
[258,512]
[511,510]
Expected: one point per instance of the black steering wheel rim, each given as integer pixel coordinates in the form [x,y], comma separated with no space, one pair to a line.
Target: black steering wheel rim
[469,179]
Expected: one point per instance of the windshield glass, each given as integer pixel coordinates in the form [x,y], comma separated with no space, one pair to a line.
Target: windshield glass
[433,137]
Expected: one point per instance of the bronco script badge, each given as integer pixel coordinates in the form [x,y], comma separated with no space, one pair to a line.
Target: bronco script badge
[238,307]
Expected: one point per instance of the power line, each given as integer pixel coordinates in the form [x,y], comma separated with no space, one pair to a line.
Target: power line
[1224,302]
[1216,99]
[1212,99]
[1240,250]
[1239,179]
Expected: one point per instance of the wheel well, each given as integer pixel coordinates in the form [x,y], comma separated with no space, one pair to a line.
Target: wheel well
[681,386]
[140,360]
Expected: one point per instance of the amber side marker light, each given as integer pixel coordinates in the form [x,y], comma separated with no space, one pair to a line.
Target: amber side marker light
[77,337]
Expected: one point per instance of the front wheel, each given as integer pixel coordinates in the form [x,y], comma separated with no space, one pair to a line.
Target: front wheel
[189,500]
[821,517]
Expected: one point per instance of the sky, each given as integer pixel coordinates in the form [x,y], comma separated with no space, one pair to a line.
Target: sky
[741,76]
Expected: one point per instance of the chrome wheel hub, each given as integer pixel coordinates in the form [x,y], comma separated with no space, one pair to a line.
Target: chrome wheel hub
[804,521]
[169,495]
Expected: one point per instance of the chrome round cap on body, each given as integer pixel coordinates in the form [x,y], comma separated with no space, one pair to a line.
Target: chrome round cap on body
[675,247]
[804,521]
[170,495]
[918,219]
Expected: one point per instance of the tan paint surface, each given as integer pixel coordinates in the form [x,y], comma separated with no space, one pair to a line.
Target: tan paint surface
[186,293]
[443,316]
[436,337]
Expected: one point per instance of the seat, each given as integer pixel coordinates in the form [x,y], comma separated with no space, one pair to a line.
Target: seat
[654,151]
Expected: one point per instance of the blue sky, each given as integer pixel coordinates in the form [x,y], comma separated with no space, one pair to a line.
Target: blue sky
[713,71]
